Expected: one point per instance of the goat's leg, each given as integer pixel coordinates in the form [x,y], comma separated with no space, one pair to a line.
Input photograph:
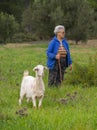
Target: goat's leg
[34,101]
[40,101]
[21,98]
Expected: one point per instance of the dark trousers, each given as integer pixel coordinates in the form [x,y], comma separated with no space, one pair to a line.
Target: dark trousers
[56,74]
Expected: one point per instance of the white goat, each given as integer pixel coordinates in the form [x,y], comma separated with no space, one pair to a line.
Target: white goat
[33,87]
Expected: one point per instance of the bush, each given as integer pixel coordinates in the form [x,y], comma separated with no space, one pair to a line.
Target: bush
[8,26]
[24,37]
[84,74]
[18,37]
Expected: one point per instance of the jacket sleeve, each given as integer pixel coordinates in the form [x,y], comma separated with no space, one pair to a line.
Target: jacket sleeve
[50,53]
[69,57]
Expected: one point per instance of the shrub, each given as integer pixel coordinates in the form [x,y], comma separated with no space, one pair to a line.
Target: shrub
[84,74]
[8,26]
[23,37]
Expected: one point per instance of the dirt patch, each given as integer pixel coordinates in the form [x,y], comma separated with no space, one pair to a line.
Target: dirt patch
[22,112]
[69,97]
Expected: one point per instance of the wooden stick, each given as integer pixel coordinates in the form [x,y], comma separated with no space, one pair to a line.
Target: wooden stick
[60,70]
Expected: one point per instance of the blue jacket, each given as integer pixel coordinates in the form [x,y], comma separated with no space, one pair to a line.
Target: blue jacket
[53,50]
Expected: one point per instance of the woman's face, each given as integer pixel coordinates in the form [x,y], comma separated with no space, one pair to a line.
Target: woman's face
[61,33]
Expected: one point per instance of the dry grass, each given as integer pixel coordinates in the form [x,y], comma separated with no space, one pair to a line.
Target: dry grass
[16,45]
[89,43]
[92,43]
[82,47]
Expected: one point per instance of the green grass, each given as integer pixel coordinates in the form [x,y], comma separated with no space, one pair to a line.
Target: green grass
[78,113]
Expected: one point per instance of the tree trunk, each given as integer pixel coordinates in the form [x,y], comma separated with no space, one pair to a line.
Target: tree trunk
[76,42]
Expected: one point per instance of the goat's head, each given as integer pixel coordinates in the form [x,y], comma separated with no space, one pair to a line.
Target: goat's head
[39,69]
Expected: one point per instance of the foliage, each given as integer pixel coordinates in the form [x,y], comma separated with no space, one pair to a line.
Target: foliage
[93,3]
[57,16]
[83,22]
[75,15]
[40,25]
[39,17]
[8,26]
[84,74]
[14,8]
[23,37]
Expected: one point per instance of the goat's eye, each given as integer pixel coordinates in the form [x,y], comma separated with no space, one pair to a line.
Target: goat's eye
[45,68]
[36,69]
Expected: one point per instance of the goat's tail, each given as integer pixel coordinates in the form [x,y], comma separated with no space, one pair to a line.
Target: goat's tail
[26,73]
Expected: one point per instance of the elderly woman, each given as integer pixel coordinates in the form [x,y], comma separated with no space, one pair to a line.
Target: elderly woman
[58,57]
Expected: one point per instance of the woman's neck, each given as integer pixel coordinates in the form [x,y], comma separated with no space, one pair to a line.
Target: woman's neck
[60,39]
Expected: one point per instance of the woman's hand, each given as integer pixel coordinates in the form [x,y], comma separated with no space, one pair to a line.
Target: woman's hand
[58,56]
[70,67]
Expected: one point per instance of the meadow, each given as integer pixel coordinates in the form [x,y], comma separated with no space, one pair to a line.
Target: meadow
[68,107]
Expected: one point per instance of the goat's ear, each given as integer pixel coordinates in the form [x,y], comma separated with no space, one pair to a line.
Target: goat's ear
[45,68]
[35,69]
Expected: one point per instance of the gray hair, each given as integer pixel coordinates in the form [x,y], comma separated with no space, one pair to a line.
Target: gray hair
[58,28]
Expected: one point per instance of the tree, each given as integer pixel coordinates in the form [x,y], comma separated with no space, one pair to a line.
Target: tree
[14,7]
[39,17]
[93,4]
[57,16]
[78,20]
[8,26]
[36,19]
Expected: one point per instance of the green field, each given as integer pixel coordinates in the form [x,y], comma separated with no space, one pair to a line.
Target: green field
[69,107]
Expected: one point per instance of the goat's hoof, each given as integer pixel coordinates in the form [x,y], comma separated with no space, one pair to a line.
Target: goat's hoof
[39,107]
[34,107]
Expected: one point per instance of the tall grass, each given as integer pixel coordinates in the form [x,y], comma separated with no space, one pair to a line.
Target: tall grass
[61,110]
[84,73]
